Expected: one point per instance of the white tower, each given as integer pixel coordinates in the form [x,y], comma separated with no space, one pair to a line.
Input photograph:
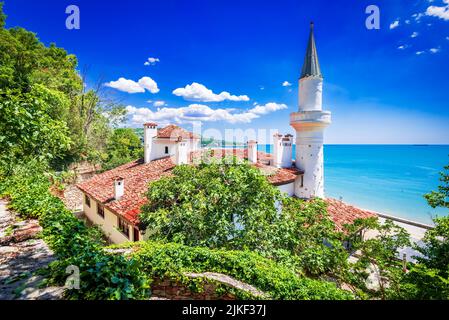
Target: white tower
[309,123]
[149,132]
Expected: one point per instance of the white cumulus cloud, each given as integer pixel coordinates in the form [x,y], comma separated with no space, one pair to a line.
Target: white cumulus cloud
[439,12]
[132,86]
[419,53]
[267,108]
[198,92]
[286,84]
[417,16]
[149,84]
[394,24]
[159,103]
[434,50]
[199,112]
[151,61]
[414,34]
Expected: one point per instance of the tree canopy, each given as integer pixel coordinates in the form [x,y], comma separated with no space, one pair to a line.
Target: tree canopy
[216,205]
[46,109]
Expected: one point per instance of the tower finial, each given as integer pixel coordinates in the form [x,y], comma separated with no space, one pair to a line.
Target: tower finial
[311,66]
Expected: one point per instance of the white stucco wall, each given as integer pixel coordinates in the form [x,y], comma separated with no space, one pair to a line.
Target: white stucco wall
[109,224]
[158,148]
[310,93]
[287,188]
[309,157]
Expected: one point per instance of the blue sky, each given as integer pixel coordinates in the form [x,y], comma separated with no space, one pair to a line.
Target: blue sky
[382,86]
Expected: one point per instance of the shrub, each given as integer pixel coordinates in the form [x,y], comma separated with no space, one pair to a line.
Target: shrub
[171,260]
[102,276]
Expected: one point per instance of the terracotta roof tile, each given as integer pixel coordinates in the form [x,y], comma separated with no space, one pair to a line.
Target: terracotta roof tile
[174,132]
[137,175]
[342,213]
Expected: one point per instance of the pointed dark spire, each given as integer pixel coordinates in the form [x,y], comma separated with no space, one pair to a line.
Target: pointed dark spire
[311,66]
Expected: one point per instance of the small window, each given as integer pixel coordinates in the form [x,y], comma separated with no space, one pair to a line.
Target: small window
[166,150]
[87,200]
[302,181]
[100,210]
[123,227]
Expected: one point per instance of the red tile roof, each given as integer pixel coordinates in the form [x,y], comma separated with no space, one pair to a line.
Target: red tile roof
[137,175]
[342,213]
[277,176]
[174,132]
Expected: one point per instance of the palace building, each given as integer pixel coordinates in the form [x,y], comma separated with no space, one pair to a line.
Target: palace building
[113,198]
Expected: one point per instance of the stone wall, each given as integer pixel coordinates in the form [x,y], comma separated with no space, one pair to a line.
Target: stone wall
[169,289]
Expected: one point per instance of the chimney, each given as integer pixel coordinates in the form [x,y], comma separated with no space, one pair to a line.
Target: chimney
[119,187]
[181,152]
[287,147]
[149,132]
[277,150]
[252,151]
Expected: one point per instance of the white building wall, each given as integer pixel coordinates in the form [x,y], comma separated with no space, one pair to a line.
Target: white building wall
[310,93]
[159,145]
[158,149]
[287,188]
[309,157]
[108,224]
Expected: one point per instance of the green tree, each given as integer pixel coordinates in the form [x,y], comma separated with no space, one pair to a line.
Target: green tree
[229,205]
[377,270]
[429,278]
[307,232]
[440,198]
[29,127]
[123,146]
[2,16]
[83,116]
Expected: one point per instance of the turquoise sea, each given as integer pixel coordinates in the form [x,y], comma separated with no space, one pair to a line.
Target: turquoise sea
[391,179]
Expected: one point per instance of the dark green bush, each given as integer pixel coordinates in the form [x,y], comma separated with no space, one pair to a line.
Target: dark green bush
[102,276]
[171,260]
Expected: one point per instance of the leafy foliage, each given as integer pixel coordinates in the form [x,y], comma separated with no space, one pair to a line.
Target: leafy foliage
[215,205]
[171,260]
[102,276]
[308,233]
[29,127]
[377,255]
[123,146]
[45,108]
[440,198]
